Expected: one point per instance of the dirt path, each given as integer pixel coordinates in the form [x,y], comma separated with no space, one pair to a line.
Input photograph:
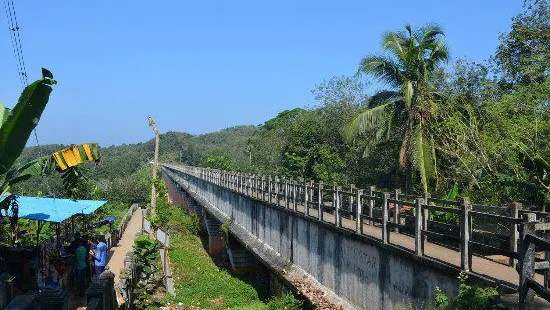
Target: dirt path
[116,259]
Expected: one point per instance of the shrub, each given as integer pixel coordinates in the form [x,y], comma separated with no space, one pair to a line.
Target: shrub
[470,297]
[192,223]
[441,301]
[288,302]
[146,252]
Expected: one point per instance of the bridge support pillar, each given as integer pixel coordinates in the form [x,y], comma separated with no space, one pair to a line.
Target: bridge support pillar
[242,261]
[277,287]
[194,206]
[215,240]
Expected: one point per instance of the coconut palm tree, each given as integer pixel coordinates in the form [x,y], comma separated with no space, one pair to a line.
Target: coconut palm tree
[408,66]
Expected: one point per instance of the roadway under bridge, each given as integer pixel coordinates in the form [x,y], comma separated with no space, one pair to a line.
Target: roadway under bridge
[343,247]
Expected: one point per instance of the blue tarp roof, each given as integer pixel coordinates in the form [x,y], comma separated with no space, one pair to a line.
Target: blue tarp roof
[55,209]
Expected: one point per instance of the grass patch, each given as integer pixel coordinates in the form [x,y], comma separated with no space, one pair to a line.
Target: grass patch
[199,282]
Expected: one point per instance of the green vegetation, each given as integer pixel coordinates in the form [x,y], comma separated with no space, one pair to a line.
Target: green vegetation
[116,209]
[198,280]
[124,173]
[409,68]
[162,215]
[16,126]
[288,302]
[470,297]
[148,270]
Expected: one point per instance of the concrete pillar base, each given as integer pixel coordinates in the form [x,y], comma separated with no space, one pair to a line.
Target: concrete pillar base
[277,287]
[215,245]
[244,270]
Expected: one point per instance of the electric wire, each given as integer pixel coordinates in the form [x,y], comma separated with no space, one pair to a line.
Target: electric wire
[13,27]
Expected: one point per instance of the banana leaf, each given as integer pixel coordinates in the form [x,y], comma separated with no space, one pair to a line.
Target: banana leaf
[22,119]
[46,164]
[4,113]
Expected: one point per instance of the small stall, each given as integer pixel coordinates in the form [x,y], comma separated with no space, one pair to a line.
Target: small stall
[54,264]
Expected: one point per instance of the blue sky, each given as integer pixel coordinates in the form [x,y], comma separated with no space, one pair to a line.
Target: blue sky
[200,66]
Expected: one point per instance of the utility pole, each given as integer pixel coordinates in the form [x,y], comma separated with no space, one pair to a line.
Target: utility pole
[155,165]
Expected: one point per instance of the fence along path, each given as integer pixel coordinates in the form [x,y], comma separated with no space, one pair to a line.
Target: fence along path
[483,239]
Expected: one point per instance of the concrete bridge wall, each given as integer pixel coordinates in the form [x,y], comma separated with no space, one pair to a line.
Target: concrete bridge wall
[363,272]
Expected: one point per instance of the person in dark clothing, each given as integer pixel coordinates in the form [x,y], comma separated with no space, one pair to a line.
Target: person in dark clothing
[81,263]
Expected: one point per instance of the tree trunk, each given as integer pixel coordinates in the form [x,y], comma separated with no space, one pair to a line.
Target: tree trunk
[405,142]
[155,165]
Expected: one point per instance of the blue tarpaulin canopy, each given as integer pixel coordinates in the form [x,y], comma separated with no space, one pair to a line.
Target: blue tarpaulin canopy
[54,209]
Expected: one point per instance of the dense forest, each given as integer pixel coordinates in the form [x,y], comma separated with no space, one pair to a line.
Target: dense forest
[476,129]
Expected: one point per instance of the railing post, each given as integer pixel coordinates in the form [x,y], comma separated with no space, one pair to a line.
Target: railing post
[334,200]
[320,201]
[527,252]
[269,188]
[243,183]
[294,207]
[277,189]
[358,210]
[247,183]
[371,203]
[262,186]
[426,216]
[351,201]
[311,192]
[514,233]
[385,218]
[306,194]
[287,200]
[338,218]
[254,186]
[465,257]
[418,246]
[299,190]
[396,210]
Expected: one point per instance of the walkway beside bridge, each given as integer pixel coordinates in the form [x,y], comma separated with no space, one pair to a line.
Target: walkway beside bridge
[116,257]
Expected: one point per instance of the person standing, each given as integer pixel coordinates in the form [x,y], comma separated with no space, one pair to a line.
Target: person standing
[80,253]
[100,256]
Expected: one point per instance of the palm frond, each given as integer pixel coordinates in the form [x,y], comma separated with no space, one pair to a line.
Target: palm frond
[384,68]
[383,97]
[423,156]
[395,42]
[417,155]
[428,34]
[407,91]
[370,119]
[439,53]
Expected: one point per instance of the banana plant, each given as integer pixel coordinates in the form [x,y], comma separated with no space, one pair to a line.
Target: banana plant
[64,161]
[15,129]
[18,123]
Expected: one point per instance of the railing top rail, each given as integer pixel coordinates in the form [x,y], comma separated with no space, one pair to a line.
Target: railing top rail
[370,194]
[443,201]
